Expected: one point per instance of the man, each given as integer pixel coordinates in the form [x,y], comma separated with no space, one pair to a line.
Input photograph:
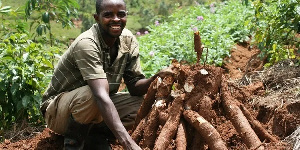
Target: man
[83,94]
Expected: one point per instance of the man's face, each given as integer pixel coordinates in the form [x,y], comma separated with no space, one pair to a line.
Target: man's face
[112,18]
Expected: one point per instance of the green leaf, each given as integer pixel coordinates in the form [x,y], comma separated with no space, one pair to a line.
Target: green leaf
[33,2]
[48,63]
[5,58]
[274,46]
[5,9]
[2,85]
[39,30]
[45,17]
[14,88]
[26,101]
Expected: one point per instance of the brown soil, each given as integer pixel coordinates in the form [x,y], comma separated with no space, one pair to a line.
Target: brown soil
[271,95]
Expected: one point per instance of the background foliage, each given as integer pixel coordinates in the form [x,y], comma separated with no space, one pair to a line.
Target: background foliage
[275,26]
[220,26]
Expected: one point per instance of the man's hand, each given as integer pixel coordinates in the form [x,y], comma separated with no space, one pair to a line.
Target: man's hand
[141,86]
[100,90]
[130,145]
[165,72]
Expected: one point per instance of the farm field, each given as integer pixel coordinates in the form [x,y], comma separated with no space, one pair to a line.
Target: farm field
[236,63]
[276,109]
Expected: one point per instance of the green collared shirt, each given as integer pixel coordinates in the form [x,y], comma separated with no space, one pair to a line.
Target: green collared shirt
[88,58]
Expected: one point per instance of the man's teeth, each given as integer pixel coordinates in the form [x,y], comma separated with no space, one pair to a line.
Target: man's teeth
[115,27]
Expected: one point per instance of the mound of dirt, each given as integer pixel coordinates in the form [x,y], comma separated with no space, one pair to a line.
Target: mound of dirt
[271,97]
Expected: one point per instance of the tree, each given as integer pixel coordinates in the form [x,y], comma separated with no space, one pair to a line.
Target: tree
[43,12]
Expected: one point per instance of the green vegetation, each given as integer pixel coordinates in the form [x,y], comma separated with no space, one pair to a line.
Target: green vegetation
[275,26]
[220,26]
[24,75]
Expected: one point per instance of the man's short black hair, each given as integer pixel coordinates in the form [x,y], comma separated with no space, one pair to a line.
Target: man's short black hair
[99,4]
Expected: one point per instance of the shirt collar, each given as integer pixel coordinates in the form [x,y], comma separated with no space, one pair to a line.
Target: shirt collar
[101,40]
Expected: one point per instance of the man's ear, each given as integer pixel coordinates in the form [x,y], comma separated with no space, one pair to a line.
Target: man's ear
[96,17]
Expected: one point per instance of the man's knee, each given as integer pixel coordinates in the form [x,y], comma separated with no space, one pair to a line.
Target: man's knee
[85,108]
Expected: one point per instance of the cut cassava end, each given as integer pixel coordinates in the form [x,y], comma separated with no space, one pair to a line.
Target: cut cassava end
[164,89]
[205,129]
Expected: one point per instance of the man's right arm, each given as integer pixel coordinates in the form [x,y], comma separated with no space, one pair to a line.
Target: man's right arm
[100,90]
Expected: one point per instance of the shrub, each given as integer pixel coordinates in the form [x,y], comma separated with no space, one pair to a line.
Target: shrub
[275,26]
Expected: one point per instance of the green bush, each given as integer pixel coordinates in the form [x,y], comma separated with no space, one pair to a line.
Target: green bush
[275,26]
[24,75]
[26,67]
[220,26]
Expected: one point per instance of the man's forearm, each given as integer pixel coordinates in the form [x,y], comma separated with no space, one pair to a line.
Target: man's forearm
[140,87]
[108,110]
[112,119]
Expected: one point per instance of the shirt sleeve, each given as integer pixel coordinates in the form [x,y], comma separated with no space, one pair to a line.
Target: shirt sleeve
[88,59]
[133,71]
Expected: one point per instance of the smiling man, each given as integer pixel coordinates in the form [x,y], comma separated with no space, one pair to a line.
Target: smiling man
[82,101]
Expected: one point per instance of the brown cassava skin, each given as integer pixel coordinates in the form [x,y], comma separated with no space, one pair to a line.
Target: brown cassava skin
[257,127]
[180,140]
[192,103]
[197,45]
[239,121]
[150,129]
[164,89]
[138,132]
[169,129]
[210,83]
[152,125]
[205,129]
[198,142]
[205,110]
[163,117]
[147,103]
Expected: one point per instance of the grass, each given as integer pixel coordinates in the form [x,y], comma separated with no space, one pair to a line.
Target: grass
[133,24]
[14,3]
[65,33]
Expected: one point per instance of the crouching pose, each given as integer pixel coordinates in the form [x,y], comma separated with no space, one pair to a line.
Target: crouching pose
[82,100]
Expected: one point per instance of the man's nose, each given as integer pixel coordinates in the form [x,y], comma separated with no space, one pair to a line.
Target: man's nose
[116,18]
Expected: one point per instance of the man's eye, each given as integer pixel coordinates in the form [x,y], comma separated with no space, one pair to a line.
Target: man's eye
[107,15]
[121,15]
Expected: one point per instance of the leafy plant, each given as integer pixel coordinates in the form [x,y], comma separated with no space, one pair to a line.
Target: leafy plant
[59,11]
[275,26]
[25,71]
[24,74]
[220,26]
